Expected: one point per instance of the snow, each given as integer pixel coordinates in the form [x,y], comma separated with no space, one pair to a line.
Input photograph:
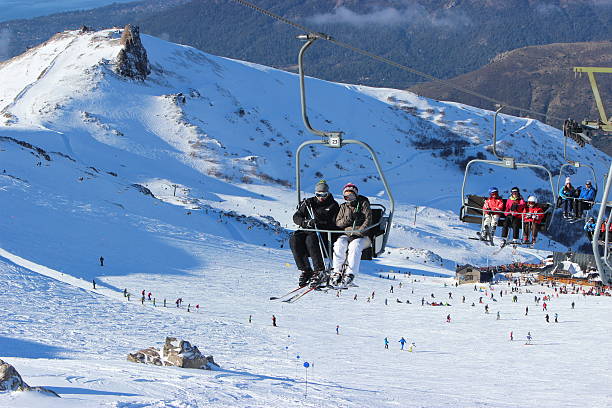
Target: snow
[220,242]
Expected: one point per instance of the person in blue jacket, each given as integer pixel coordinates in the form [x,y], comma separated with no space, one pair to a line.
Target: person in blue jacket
[566,195]
[402,341]
[589,227]
[586,197]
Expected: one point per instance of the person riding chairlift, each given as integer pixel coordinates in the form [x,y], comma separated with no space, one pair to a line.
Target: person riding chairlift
[492,210]
[515,206]
[306,244]
[533,216]
[355,214]
[566,195]
[586,196]
[589,227]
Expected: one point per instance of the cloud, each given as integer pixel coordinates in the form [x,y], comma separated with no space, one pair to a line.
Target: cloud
[410,15]
[5,40]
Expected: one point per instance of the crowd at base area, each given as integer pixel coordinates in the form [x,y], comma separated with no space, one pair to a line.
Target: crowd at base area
[517,212]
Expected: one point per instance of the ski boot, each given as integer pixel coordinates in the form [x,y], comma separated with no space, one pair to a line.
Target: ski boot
[503,243]
[305,277]
[335,279]
[319,278]
[487,232]
[347,280]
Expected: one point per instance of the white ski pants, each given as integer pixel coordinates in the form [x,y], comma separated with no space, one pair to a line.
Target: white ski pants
[491,221]
[355,247]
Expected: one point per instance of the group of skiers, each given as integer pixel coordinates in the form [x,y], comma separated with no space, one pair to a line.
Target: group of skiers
[576,200]
[322,212]
[517,213]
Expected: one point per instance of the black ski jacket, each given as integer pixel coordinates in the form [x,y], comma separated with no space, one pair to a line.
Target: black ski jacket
[325,212]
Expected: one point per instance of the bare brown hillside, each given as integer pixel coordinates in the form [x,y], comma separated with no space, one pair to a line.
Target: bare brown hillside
[538,78]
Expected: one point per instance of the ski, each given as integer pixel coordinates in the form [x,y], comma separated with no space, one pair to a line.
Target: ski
[287,294]
[482,237]
[343,287]
[299,295]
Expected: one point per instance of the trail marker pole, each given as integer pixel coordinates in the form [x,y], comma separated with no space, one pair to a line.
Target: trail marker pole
[306,365]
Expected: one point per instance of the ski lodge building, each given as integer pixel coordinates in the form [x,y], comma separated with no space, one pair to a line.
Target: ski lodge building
[472,274]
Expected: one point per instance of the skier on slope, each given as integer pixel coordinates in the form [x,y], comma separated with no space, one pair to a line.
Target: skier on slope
[532,218]
[354,215]
[492,209]
[402,341]
[515,206]
[306,244]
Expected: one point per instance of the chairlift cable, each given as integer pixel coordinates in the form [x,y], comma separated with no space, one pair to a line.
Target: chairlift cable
[390,62]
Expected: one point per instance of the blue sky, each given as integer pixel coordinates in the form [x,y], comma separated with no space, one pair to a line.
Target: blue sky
[13,9]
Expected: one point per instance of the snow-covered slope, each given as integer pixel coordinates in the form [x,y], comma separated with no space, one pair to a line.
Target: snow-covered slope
[183,182]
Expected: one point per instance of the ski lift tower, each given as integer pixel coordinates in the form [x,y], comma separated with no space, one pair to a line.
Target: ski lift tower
[583,133]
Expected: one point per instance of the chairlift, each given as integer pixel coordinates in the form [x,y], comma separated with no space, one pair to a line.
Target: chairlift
[472,204]
[575,164]
[381,217]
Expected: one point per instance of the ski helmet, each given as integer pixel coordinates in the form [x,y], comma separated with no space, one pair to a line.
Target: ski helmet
[515,190]
[532,199]
[493,190]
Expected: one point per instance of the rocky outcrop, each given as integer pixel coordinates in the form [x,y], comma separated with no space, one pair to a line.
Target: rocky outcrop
[178,353]
[10,380]
[132,61]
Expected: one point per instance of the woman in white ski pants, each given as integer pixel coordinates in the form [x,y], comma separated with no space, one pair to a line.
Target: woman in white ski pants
[355,246]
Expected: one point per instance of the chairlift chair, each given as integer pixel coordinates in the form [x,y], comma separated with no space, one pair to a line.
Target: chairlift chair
[575,164]
[379,230]
[471,204]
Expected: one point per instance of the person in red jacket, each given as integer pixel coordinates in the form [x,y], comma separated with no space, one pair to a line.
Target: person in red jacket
[532,217]
[515,206]
[492,208]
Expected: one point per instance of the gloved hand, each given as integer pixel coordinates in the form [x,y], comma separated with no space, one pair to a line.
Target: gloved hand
[308,224]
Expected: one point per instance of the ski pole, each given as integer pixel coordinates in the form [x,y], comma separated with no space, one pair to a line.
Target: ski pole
[319,238]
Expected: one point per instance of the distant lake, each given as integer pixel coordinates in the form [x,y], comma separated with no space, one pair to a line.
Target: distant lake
[14,9]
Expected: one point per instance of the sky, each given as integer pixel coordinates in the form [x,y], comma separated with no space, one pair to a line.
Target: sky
[16,9]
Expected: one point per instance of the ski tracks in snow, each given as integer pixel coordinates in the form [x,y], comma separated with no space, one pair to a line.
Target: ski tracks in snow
[39,78]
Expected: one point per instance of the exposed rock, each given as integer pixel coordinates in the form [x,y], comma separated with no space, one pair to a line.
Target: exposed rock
[178,353]
[132,61]
[147,356]
[10,380]
[143,190]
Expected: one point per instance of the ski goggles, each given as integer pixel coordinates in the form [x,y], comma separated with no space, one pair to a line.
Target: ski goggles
[350,197]
[322,194]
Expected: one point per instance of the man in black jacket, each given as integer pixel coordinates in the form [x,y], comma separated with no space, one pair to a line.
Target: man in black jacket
[306,244]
